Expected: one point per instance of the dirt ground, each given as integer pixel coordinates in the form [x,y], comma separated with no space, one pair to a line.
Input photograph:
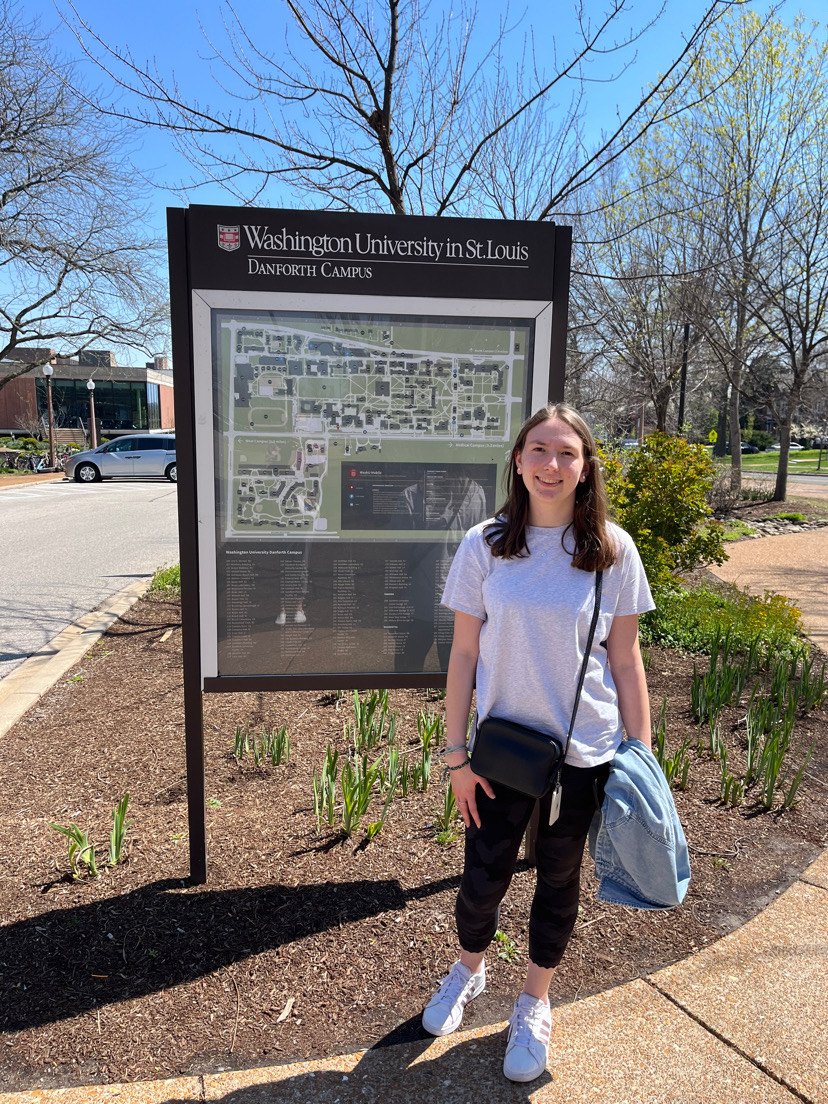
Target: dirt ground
[303,942]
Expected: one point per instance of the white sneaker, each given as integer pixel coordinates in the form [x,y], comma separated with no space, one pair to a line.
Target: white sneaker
[444,1012]
[280,620]
[299,617]
[527,1048]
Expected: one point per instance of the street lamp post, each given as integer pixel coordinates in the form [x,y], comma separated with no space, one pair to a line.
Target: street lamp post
[93,430]
[47,372]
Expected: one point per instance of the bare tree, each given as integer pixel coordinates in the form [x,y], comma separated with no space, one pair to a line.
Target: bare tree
[381,106]
[74,267]
[30,423]
[649,279]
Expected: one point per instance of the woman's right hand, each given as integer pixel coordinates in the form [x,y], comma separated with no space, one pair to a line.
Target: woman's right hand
[464,785]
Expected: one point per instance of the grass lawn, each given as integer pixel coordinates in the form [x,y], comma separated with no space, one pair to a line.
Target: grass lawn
[798,462]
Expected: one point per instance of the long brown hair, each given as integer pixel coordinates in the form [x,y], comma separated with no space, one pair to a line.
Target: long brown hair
[594,547]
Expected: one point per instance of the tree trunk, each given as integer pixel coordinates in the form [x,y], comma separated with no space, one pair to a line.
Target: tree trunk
[720,448]
[735,430]
[780,491]
[661,405]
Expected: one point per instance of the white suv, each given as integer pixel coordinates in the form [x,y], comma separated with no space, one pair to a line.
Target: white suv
[131,457]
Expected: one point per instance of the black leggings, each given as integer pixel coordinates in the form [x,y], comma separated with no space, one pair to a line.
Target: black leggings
[491,855]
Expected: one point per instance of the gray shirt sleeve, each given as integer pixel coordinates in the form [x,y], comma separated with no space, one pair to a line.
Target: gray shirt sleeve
[634,591]
[463,591]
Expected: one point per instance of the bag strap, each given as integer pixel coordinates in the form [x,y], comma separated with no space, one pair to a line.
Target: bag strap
[599,580]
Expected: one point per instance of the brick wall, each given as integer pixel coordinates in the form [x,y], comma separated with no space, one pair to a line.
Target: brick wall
[17,400]
[167,407]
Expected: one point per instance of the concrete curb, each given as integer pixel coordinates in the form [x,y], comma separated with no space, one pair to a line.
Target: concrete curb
[27,683]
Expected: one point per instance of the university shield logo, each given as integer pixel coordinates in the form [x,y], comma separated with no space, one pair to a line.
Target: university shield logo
[229,237]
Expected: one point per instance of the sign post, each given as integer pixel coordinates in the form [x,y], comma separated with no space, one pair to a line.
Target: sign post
[347,390]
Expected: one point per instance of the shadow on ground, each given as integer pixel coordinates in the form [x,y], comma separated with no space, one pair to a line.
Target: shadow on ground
[472,1069]
[49,962]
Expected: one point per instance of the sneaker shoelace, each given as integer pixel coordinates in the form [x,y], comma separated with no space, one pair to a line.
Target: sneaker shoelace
[530,1024]
[453,985]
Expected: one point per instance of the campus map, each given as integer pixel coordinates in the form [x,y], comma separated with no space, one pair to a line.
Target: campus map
[306,396]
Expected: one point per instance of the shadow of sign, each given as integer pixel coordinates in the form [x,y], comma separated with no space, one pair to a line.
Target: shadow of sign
[63,963]
[49,963]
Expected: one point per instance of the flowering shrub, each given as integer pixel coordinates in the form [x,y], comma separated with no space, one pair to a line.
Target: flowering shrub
[696,620]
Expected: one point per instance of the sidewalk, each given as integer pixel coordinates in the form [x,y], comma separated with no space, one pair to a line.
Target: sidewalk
[26,684]
[743,1021]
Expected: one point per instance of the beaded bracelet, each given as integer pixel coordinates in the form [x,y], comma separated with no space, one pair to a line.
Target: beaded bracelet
[447,769]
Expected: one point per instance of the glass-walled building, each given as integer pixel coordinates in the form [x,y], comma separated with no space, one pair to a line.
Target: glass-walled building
[119,404]
[126,399]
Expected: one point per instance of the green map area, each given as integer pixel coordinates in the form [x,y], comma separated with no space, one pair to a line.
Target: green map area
[301,395]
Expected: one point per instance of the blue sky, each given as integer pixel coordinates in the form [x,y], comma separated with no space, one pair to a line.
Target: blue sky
[170,33]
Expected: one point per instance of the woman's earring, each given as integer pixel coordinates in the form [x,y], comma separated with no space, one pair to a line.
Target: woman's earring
[581,478]
[520,471]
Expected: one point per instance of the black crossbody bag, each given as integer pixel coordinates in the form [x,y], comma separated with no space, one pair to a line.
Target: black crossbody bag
[521,758]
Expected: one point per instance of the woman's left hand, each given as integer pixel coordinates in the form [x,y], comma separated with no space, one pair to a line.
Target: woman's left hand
[464,785]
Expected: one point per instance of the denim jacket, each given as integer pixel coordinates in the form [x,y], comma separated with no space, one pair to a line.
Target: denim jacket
[636,839]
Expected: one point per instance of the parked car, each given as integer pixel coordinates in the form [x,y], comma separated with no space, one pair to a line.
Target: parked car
[747,447]
[136,456]
[794,447]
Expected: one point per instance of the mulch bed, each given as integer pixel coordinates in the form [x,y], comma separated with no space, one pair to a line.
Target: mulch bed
[301,944]
[21,479]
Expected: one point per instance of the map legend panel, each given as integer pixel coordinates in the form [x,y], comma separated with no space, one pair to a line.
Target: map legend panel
[416,496]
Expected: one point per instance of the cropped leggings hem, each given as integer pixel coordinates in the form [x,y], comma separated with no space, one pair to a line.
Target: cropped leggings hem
[492,852]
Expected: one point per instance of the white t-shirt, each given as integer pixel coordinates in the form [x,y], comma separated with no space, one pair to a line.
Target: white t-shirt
[536,611]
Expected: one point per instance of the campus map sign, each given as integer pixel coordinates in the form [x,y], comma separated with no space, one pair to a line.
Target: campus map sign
[355,385]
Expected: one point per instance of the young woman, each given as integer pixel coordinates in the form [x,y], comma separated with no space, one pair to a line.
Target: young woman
[522,588]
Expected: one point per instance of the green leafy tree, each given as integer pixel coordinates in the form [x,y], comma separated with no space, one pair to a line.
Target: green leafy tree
[792,306]
[718,219]
[659,497]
